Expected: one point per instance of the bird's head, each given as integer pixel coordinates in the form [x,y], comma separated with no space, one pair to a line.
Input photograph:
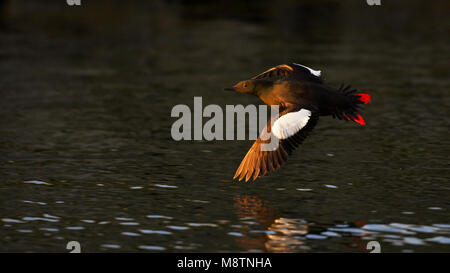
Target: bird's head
[247,86]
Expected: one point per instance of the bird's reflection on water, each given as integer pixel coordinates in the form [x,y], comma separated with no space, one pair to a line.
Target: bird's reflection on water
[282,234]
[286,237]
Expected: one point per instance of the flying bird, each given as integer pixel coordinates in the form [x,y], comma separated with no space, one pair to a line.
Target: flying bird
[302,97]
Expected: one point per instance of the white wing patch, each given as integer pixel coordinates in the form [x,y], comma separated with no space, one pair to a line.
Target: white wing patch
[316,73]
[289,124]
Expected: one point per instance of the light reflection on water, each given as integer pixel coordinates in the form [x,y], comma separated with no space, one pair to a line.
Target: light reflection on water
[258,228]
[291,235]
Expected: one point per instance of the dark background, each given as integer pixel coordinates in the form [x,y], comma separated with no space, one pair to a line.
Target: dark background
[85,99]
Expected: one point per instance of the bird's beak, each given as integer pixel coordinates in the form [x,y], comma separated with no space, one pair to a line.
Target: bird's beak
[229,89]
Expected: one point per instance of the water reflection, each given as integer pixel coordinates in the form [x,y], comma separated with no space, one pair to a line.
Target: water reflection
[280,234]
[248,208]
[287,235]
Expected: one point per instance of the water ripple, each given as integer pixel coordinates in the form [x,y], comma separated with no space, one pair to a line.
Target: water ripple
[11,220]
[202,225]
[129,224]
[386,228]
[159,217]
[147,247]
[40,219]
[178,227]
[75,228]
[439,239]
[132,234]
[161,232]
[166,186]
[36,182]
[112,246]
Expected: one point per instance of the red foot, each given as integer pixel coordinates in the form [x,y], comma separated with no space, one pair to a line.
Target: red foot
[365,98]
[358,119]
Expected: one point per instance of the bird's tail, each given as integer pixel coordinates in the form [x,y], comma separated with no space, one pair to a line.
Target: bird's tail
[351,113]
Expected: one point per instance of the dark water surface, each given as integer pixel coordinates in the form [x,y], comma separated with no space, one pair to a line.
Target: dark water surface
[86,152]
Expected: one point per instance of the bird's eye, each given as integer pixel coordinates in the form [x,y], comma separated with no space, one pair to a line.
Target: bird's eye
[245,84]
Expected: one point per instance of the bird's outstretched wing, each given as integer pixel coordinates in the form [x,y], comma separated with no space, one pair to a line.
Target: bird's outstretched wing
[276,142]
[292,71]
